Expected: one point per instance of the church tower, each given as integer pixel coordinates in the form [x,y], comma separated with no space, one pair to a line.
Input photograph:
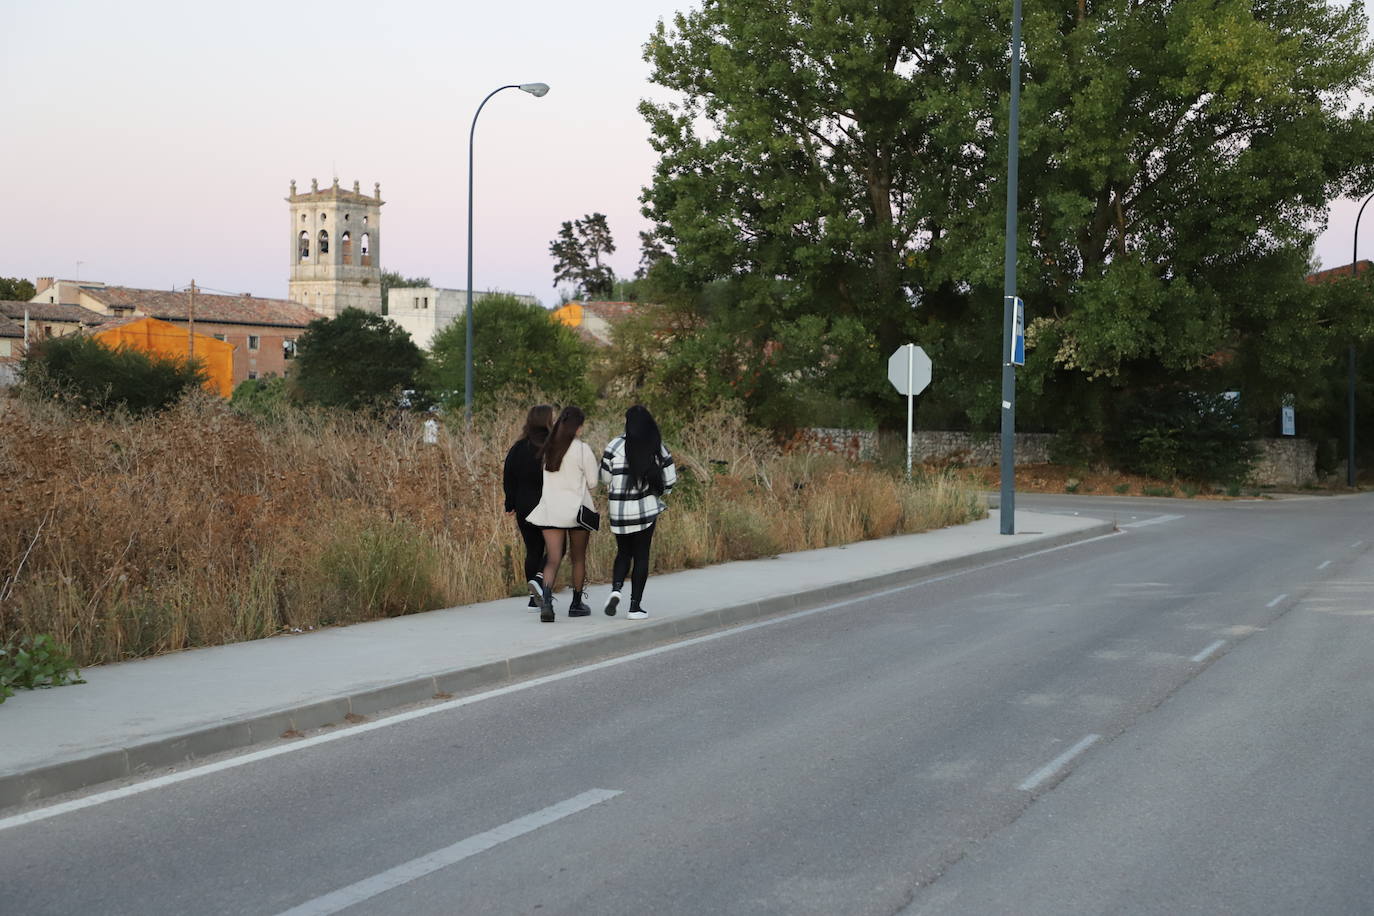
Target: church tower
[336,248]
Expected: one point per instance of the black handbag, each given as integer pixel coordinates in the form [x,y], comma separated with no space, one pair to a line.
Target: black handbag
[589,519]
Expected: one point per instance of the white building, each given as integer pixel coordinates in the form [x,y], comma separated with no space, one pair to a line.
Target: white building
[424,311]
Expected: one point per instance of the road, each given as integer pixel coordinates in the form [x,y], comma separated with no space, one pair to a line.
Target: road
[1175,718]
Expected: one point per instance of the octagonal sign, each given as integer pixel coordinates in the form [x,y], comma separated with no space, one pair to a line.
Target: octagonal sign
[908,369]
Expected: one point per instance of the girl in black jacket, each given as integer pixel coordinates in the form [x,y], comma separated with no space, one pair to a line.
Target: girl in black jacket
[523,481]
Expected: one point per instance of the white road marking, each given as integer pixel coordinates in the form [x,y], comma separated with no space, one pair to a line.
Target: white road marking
[158,782]
[392,878]
[1357,544]
[1277,600]
[1209,650]
[1058,763]
[1324,564]
[1157,520]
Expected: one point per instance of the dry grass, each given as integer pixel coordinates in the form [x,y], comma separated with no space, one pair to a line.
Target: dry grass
[125,538]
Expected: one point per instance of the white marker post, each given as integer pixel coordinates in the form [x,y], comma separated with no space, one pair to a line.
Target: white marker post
[908,369]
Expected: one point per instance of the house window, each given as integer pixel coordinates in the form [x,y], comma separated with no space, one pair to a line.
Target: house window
[324,242]
[426,303]
[253,341]
[417,302]
[252,374]
[288,348]
[47,330]
[219,337]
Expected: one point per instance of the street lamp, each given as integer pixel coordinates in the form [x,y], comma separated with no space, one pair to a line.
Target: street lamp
[1350,359]
[1007,504]
[538,90]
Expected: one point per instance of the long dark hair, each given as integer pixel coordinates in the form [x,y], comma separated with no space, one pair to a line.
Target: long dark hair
[562,436]
[538,423]
[642,445]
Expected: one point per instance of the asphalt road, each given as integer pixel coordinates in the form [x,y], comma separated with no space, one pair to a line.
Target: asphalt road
[1177,718]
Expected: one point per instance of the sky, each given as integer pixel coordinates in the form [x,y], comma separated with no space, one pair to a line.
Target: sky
[153,141]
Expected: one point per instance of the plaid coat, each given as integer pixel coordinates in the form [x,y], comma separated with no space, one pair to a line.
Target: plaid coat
[632,507]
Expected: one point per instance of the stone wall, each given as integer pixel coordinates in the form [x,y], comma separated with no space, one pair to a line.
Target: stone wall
[975,449]
[1286,462]
[854,444]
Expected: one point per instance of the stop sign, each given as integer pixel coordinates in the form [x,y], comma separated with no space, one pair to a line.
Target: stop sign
[908,369]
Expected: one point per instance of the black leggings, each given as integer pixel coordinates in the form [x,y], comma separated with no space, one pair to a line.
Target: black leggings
[534,547]
[632,548]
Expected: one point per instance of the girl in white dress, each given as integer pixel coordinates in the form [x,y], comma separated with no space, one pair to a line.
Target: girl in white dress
[570,475]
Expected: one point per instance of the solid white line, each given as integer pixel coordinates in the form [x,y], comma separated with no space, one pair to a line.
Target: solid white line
[353,894]
[1324,564]
[300,744]
[1055,765]
[1277,600]
[1209,650]
[1357,544]
[1157,520]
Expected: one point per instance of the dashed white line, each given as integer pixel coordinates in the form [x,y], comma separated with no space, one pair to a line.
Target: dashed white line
[1277,600]
[1324,564]
[1058,763]
[1357,544]
[392,878]
[1209,650]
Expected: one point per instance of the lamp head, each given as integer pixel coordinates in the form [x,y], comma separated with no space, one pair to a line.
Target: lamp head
[538,90]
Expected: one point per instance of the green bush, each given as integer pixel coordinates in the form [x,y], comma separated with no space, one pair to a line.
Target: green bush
[1179,434]
[356,359]
[33,663]
[261,397]
[381,570]
[86,371]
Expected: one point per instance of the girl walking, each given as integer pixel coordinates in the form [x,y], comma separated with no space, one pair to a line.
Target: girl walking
[639,470]
[569,472]
[523,480]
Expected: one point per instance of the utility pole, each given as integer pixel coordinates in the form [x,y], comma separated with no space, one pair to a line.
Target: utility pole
[191,325]
[1008,493]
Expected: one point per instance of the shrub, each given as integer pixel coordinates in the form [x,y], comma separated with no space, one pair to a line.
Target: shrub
[35,662]
[85,371]
[1171,434]
[356,359]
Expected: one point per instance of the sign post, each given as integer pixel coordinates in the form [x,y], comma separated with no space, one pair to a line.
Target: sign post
[908,369]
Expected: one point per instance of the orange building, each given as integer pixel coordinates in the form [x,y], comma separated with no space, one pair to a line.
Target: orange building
[150,335]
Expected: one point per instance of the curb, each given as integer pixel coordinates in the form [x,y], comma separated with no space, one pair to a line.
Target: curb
[110,764]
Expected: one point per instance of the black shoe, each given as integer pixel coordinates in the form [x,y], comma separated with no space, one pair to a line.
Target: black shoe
[637,611]
[536,586]
[534,604]
[578,608]
[546,607]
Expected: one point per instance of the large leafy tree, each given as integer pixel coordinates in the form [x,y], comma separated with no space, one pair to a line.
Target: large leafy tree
[356,359]
[840,164]
[86,371]
[16,289]
[516,347]
[577,254]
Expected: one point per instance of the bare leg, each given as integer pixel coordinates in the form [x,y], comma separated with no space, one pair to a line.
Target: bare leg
[578,538]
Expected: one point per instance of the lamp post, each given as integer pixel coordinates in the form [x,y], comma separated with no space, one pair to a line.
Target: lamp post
[538,90]
[1008,494]
[1350,358]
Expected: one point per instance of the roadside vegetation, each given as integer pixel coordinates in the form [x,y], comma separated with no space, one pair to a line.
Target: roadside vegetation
[205,524]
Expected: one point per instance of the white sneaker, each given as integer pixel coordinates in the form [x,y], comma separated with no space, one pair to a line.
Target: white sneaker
[612,602]
[637,613]
[536,588]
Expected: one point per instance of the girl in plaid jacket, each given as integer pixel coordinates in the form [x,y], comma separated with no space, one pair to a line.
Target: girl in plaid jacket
[638,470]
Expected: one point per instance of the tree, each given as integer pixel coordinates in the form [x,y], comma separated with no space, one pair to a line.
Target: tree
[515,346]
[651,251]
[356,359]
[16,289]
[101,377]
[577,253]
[393,280]
[1172,155]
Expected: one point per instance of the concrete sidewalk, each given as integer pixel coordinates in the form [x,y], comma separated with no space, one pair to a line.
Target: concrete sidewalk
[134,717]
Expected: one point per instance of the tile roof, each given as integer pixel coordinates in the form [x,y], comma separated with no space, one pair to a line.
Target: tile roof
[1339,273]
[48,311]
[171,306]
[10,328]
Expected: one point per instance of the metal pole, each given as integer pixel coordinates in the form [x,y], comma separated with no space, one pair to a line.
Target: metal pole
[191,324]
[467,363]
[1008,494]
[910,383]
[1350,473]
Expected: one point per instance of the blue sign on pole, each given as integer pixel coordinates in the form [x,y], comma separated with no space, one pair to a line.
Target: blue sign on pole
[1018,332]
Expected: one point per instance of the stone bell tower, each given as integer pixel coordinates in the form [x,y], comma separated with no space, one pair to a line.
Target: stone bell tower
[336,248]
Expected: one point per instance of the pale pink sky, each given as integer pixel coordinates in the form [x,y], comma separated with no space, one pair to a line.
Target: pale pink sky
[153,140]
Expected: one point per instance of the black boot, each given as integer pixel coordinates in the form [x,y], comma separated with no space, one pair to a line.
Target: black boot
[578,608]
[546,606]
